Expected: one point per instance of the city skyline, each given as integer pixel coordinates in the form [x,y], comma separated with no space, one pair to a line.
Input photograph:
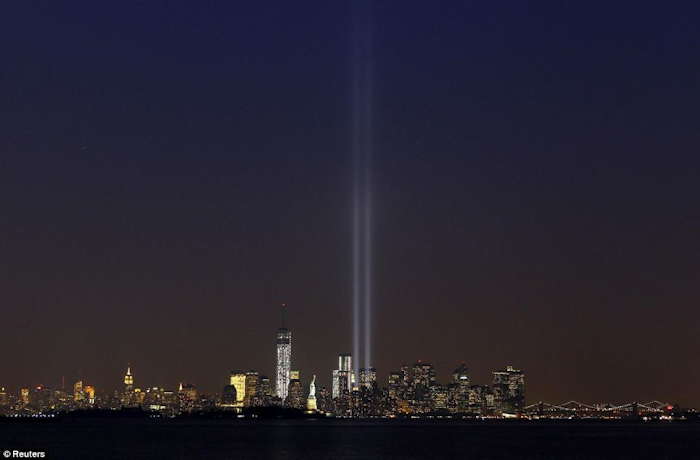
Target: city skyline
[344,380]
[416,385]
[171,174]
[283,365]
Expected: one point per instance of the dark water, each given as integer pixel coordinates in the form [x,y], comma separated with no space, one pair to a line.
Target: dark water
[322,439]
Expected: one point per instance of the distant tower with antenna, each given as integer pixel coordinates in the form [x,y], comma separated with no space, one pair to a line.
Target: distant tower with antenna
[128,379]
[284,357]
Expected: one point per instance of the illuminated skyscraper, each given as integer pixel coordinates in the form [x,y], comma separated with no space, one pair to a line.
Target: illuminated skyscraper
[422,380]
[78,393]
[284,358]
[460,389]
[509,390]
[324,402]
[264,386]
[394,389]
[128,395]
[342,377]
[461,375]
[89,391]
[128,380]
[263,392]
[238,380]
[345,362]
[368,378]
[251,387]
[295,396]
[187,396]
[24,395]
[423,375]
[481,399]
[439,397]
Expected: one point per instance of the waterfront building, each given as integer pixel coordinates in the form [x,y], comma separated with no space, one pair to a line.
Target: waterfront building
[165,401]
[238,380]
[78,394]
[263,393]
[406,382]
[480,399]
[284,358]
[229,396]
[324,401]
[422,379]
[24,396]
[342,381]
[459,390]
[368,379]
[89,392]
[251,387]
[438,398]
[509,390]
[394,386]
[295,393]
[423,375]
[41,398]
[187,396]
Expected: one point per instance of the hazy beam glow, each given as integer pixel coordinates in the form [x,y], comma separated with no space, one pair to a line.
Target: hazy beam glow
[356,262]
[362,193]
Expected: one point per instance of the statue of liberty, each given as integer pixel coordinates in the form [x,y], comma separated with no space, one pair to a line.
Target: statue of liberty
[311,400]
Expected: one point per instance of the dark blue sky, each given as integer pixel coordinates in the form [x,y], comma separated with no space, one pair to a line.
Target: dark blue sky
[170,172]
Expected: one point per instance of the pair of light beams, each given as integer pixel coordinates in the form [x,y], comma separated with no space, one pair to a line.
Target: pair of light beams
[362,191]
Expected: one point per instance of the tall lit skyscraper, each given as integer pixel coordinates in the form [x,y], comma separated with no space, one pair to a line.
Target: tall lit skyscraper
[238,380]
[78,394]
[509,390]
[345,362]
[24,395]
[128,379]
[263,392]
[251,387]
[187,396]
[460,390]
[342,377]
[128,395]
[295,396]
[423,375]
[284,358]
[89,391]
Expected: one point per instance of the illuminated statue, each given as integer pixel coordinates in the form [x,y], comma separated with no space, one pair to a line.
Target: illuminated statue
[311,400]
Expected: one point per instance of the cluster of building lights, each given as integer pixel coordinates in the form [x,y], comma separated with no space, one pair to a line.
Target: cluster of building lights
[410,391]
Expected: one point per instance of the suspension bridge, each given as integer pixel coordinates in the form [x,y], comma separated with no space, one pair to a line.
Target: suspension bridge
[576,409]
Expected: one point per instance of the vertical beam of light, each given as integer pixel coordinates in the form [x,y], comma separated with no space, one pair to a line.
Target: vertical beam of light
[367,265]
[355,251]
[362,197]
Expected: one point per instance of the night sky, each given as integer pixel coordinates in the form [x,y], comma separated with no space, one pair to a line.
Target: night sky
[171,172]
